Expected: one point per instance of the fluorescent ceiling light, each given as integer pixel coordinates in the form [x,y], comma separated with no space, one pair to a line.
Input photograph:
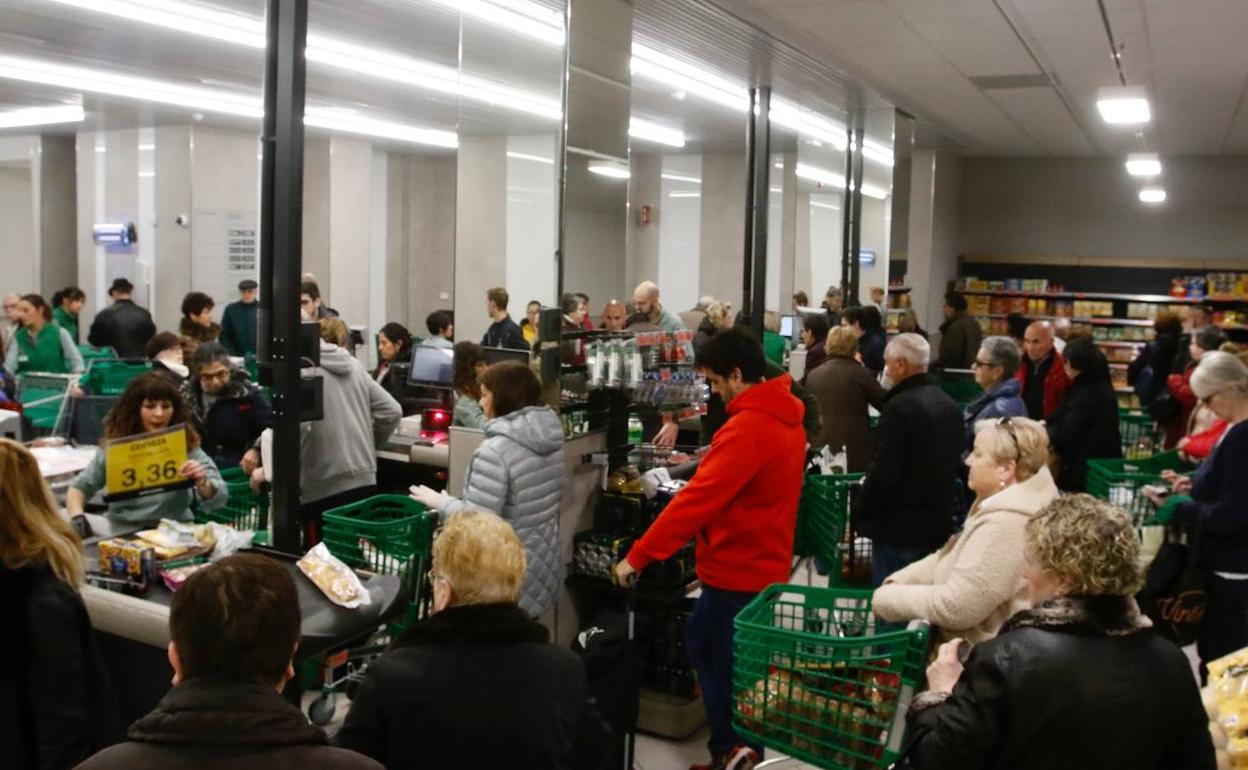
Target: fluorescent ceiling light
[680,178]
[684,194]
[779,164]
[612,170]
[181,17]
[777,190]
[1125,105]
[653,132]
[1143,164]
[523,18]
[533,158]
[1153,195]
[361,59]
[42,116]
[833,179]
[209,100]
[827,206]
[877,152]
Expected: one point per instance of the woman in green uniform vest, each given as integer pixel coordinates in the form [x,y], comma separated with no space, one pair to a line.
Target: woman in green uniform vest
[66,305]
[41,345]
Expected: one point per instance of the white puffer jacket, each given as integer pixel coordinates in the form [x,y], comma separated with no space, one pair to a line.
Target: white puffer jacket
[518,473]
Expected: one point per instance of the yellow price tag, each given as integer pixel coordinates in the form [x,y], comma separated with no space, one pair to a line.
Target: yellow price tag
[145,464]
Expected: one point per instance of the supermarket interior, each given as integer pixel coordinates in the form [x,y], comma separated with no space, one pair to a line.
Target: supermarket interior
[642,384]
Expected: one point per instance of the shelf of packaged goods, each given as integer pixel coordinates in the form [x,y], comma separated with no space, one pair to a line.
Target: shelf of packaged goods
[1120,343]
[1098,321]
[1163,299]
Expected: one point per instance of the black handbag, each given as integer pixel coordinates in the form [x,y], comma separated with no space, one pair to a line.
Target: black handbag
[1174,594]
[1164,408]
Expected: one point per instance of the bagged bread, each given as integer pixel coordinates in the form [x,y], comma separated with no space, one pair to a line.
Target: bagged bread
[336,580]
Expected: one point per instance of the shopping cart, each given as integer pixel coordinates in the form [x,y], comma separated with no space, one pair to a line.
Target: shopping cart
[1121,482]
[824,531]
[243,510]
[1140,435]
[386,535]
[813,680]
[44,397]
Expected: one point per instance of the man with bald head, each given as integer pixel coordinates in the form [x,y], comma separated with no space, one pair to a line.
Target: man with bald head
[1042,371]
[646,298]
[613,316]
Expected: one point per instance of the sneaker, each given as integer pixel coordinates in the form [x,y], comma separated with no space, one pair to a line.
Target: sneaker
[741,758]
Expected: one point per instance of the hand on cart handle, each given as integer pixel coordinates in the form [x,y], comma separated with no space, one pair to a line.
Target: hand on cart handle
[1181,485]
[625,575]
[944,672]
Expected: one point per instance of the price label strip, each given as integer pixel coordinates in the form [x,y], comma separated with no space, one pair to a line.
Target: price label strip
[146,464]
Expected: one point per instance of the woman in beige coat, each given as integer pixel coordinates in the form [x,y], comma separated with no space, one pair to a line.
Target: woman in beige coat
[975,582]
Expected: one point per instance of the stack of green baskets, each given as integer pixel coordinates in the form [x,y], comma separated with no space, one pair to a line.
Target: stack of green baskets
[244,510]
[811,678]
[1140,437]
[1120,482]
[823,518]
[388,535]
[110,378]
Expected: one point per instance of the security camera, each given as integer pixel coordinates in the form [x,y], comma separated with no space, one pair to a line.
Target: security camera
[182,220]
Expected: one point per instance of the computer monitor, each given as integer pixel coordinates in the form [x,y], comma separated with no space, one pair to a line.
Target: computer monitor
[431,367]
[786,326]
[498,355]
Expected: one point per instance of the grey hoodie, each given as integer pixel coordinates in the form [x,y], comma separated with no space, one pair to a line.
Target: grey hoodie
[339,451]
[518,473]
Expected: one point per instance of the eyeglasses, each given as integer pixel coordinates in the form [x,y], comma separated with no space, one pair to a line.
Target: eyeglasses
[981,364]
[214,376]
[1005,423]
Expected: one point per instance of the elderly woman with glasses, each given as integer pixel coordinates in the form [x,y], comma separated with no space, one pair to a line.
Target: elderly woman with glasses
[1213,505]
[994,365]
[1079,679]
[970,586]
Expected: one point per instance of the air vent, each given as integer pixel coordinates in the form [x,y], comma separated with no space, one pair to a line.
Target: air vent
[1004,82]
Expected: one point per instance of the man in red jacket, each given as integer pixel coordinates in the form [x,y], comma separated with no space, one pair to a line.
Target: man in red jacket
[1042,371]
[741,508]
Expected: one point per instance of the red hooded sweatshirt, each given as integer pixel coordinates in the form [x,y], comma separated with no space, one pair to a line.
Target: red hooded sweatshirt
[742,504]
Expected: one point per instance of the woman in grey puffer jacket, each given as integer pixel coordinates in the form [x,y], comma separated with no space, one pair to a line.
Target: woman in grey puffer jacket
[518,473]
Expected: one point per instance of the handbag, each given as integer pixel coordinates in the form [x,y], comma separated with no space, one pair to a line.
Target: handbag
[1164,408]
[1174,594]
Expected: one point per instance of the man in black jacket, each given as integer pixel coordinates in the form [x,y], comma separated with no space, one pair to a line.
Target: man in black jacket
[228,411]
[503,332]
[234,626]
[124,327]
[477,684]
[908,495]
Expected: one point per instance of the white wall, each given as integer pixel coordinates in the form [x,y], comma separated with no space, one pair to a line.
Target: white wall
[533,221]
[935,190]
[18,265]
[1088,207]
[723,226]
[680,232]
[480,231]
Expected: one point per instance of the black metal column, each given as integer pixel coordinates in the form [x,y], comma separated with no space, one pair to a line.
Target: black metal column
[847,227]
[281,253]
[760,177]
[747,264]
[855,261]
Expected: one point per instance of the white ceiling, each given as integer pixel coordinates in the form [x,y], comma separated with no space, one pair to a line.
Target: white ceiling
[1189,54]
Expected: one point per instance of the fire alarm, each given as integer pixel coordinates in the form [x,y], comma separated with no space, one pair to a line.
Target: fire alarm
[645,213]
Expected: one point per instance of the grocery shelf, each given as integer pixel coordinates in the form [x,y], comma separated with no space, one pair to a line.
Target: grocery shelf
[1164,299]
[1097,321]
[1120,343]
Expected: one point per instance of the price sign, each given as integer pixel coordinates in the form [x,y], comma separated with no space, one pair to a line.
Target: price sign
[146,464]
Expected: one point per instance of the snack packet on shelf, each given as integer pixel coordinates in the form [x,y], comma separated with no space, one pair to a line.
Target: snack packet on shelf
[336,580]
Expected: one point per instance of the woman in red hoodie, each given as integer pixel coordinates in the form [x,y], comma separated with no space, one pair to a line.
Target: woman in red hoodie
[741,508]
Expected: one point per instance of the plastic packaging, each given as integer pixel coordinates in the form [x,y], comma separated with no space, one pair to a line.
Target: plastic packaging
[336,580]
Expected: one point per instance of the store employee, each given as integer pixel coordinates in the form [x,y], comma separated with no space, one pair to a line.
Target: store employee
[151,403]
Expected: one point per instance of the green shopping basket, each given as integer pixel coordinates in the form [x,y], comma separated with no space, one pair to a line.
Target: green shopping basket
[110,378]
[1140,436]
[1120,482]
[823,521]
[244,510]
[386,534]
[812,679]
[961,389]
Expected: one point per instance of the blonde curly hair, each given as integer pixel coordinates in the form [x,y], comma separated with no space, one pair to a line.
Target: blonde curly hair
[1087,544]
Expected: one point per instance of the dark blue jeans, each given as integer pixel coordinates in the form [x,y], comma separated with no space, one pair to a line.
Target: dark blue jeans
[887,559]
[708,638]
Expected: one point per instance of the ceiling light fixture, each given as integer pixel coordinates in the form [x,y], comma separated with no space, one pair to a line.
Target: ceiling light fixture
[209,100]
[653,132]
[1153,195]
[523,18]
[1123,105]
[833,179]
[42,116]
[528,157]
[684,194]
[361,59]
[611,170]
[680,178]
[1143,164]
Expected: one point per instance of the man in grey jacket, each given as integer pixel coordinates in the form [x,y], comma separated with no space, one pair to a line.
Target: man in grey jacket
[338,453]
